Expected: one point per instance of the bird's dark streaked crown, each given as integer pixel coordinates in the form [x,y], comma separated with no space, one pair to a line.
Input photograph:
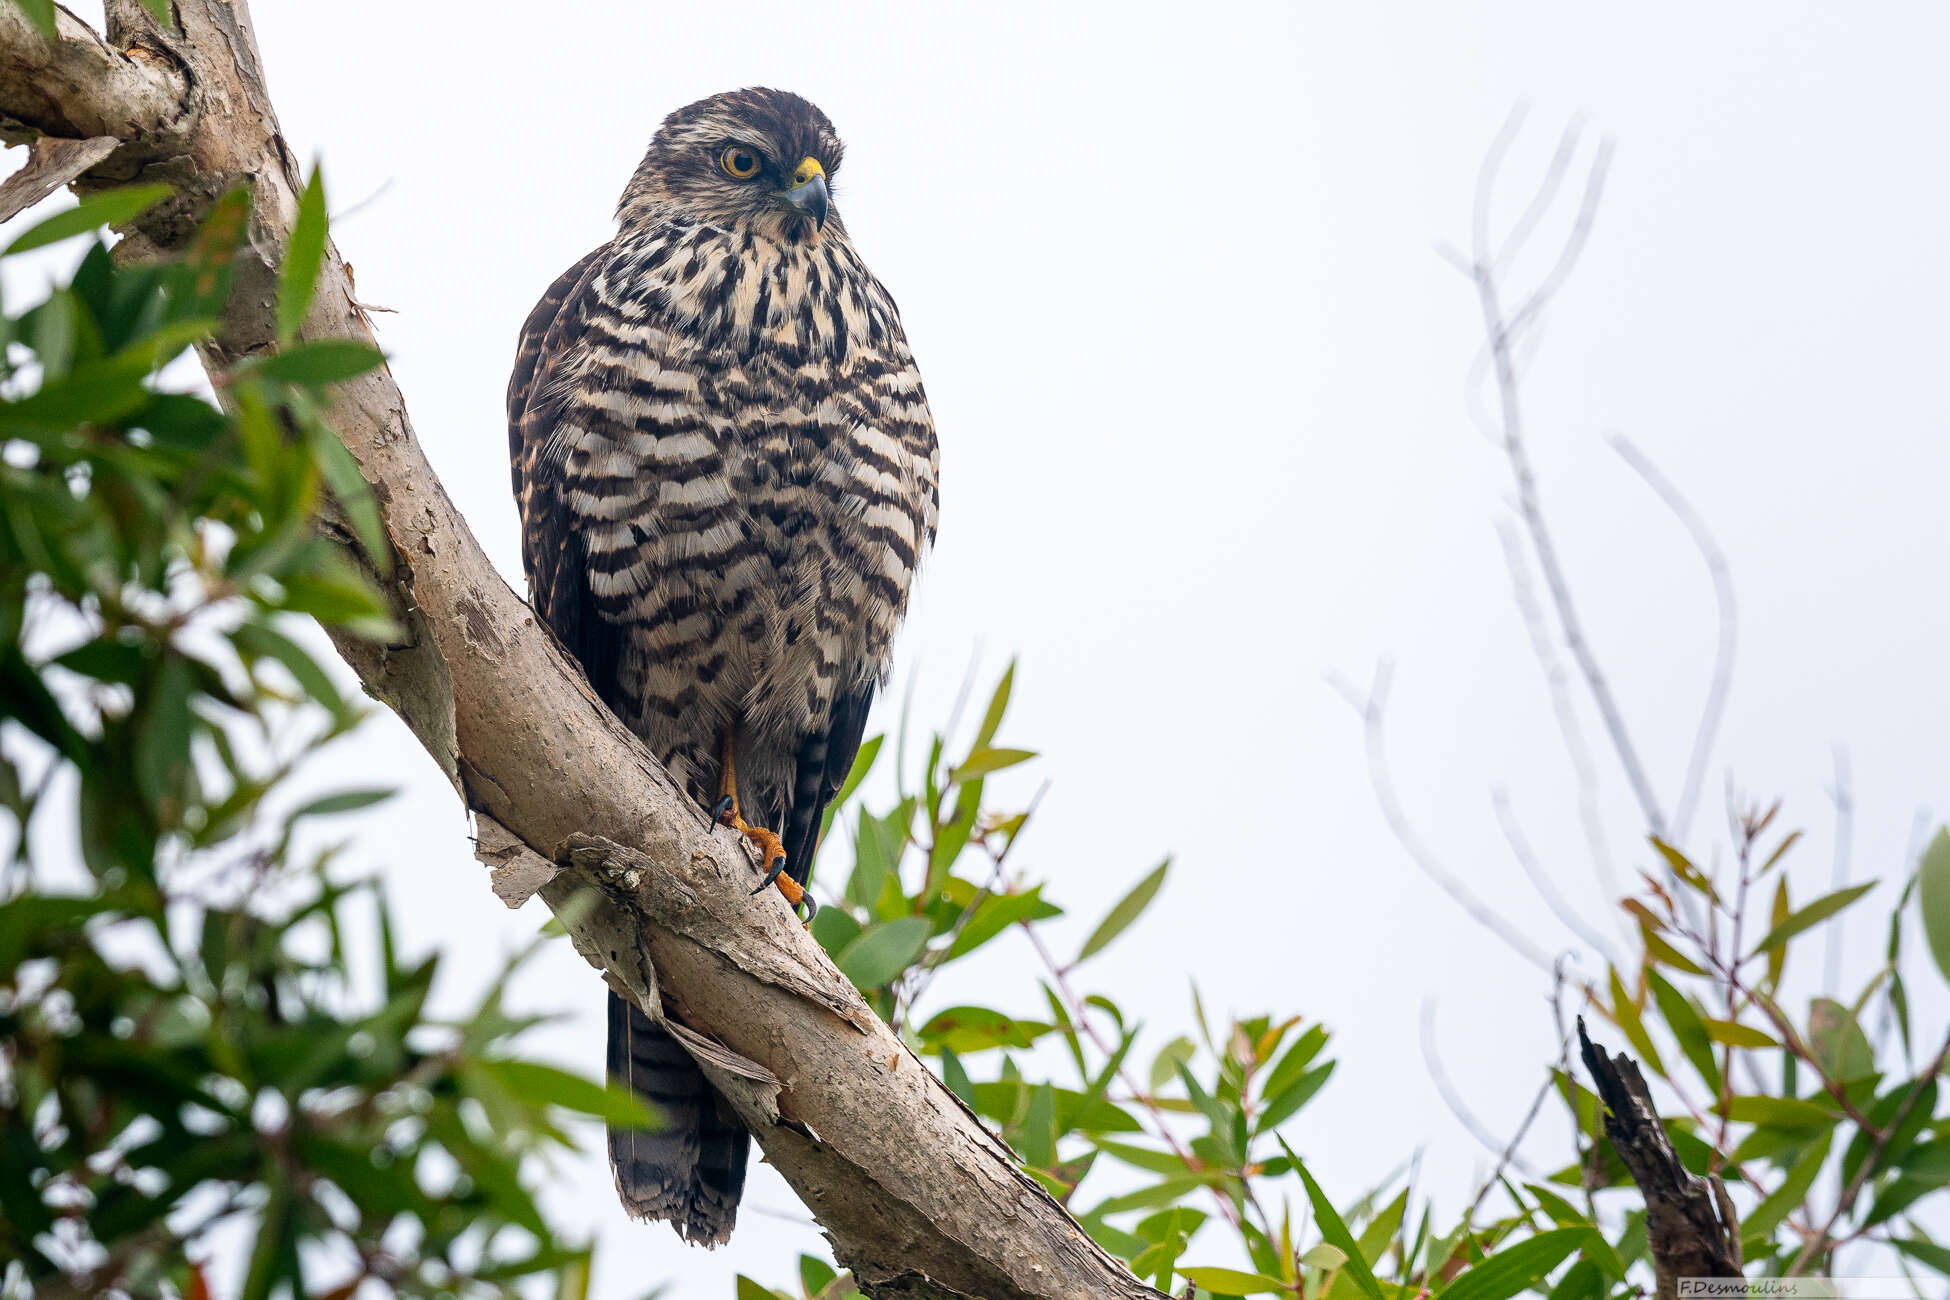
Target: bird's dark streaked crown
[682,176]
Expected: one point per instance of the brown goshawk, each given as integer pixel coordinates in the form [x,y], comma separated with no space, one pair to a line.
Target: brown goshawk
[727,475]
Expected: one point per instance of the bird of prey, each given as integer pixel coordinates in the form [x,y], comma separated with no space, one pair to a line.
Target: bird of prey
[727,475]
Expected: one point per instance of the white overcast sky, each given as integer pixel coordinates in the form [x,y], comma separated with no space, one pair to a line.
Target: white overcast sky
[1199,377]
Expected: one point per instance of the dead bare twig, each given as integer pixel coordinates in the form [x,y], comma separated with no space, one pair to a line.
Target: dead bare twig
[1690,1223]
[1372,707]
[1728,624]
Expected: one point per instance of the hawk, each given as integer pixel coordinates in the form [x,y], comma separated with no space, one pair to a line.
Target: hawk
[727,473]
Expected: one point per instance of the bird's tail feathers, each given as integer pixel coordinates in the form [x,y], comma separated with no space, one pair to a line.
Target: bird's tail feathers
[688,1170]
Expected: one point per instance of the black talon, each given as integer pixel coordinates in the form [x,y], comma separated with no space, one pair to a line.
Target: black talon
[772,874]
[721,815]
[812,908]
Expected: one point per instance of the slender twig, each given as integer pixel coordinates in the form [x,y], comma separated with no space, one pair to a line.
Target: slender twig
[1846,1202]
[1508,1157]
[939,952]
[1498,331]
[1729,970]
[1841,795]
[1558,684]
[1506,819]
[346,214]
[1541,200]
[1505,1152]
[1717,568]
[1079,1016]
[1572,249]
[1483,209]
[1372,708]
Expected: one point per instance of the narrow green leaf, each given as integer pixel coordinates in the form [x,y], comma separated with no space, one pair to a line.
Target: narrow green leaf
[343,802]
[1294,1064]
[1683,867]
[998,705]
[1164,1066]
[1735,1034]
[1281,1106]
[1684,1019]
[1036,1140]
[1780,911]
[862,764]
[1231,1282]
[975,1029]
[261,641]
[957,1078]
[1926,1253]
[1757,1227]
[1779,1112]
[304,254]
[1518,1268]
[995,914]
[1813,914]
[1839,1045]
[534,1082]
[982,761]
[815,1274]
[1625,1013]
[835,927]
[108,208]
[1933,896]
[41,14]
[328,361]
[883,951]
[1334,1229]
[1127,910]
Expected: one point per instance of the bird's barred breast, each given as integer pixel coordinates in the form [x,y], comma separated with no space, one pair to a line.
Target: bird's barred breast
[754,491]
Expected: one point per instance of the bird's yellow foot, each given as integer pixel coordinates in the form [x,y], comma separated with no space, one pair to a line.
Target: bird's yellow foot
[772,850]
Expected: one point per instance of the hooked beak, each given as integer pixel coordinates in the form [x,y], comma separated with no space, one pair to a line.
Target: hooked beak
[808,193]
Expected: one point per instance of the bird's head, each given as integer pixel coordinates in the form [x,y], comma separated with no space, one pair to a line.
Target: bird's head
[750,159]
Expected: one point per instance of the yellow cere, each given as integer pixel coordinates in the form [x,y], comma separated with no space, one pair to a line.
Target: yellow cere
[808,168]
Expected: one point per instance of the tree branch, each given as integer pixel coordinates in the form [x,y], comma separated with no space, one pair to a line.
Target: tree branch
[918,1198]
[79,86]
[1689,1221]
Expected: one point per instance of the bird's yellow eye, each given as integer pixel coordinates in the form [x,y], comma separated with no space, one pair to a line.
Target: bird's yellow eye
[738,162]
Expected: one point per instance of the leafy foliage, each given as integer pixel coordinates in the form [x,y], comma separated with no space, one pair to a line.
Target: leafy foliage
[186,1040]
[1167,1154]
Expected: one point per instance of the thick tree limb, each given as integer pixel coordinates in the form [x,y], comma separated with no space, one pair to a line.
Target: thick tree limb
[1689,1221]
[51,163]
[80,86]
[918,1198]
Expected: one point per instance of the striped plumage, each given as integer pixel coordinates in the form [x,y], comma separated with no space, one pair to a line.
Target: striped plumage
[727,476]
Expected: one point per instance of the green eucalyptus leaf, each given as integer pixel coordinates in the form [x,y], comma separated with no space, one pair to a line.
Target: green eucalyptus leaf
[1128,909]
[536,1083]
[326,361]
[1232,1282]
[1811,915]
[41,14]
[1517,1268]
[982,761]
[108,208]
[883,951]
[304,255]
[1334,1230]
[1933,897]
